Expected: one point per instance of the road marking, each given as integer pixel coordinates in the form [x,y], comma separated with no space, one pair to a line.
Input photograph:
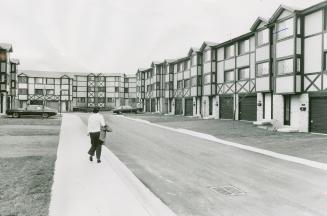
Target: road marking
[306,162]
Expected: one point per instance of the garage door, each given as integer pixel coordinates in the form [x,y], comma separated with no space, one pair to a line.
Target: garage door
[178,106]
[318,114]
[153,105]
[189,107]
[226,107]
[147,105]
[248,108]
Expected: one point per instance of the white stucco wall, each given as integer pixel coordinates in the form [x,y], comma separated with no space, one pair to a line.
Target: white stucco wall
[313,23]
[278,110]
[259,108]
[300,119]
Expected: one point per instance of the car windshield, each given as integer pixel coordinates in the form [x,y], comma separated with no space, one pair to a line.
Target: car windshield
[127,107]
[34,107]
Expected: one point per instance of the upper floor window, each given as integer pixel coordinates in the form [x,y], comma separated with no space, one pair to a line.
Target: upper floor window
[229,51]
[263,37]
[126,90]
[22,91]
[229,76]
[2,78]
[38,80]
[39,91]
[64,81]
[116,89]
[64,92]
[285,66]
[3,56]
[50,81]
[243,47]
[193,60]
[186,83]
[3,67]
[263,69]
[179,84]
[49,92]
[22,79]
[207,79]
[194,81]
[243,73]
[285,28]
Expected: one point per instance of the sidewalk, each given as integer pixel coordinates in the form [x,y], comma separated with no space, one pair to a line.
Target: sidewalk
[86,188]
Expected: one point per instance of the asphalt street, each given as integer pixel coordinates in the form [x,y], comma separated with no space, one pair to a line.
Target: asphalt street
[203,178]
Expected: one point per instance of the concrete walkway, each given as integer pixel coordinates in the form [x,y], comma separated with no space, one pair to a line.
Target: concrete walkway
[86,188]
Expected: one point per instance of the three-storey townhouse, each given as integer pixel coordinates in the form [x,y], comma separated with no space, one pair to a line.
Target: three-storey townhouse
[5,72]
[209,80]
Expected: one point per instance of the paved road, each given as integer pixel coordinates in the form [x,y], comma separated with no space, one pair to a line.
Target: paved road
[181,170]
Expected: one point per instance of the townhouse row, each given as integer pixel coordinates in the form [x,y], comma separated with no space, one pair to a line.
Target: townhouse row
[8,71]
[275,74]
[75,91]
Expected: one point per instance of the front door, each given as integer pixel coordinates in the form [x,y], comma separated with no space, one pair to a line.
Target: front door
[287,110]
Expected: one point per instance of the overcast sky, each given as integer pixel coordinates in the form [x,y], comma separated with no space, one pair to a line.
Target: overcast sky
[119,36]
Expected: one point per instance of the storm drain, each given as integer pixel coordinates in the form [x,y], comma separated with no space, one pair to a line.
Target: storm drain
[228,190]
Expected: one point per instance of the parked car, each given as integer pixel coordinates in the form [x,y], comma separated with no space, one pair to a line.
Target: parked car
[45,112]
[125,109]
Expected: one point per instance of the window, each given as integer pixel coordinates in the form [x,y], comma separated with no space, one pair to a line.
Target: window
[38,80]
[180,84]
[90,78]
[101,100]
[285,66]
[2,87]
[90,89]
[101,89]
[22,79]
[126,80]
[64,81]
[126,90]
[243,73]
[229,76]
[186,83]
[39,91]
[186,65]
[229,51]
[194,81]
[13,68]
[74,88]
[90,100]
[285,29]
[263,37]
[116,89]
[49,92]
[243,47]
[2,78]
[3,67]
[207,79]
[110,100]
[81,99]
[101,79]
[3,56]
[263,69]
[13,84]
[117,79]
[50,81]
[64,92]
[22,91]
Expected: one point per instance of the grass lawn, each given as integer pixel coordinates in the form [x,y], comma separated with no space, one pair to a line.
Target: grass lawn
[28,150]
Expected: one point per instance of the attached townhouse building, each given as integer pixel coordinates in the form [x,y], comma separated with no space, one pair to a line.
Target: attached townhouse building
[274,74]
[75,91]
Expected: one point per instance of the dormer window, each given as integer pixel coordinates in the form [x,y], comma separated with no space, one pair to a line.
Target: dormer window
[285,29]
[263,37]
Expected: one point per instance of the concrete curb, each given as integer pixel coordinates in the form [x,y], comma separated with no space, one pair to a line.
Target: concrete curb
[149,201]
[305,162]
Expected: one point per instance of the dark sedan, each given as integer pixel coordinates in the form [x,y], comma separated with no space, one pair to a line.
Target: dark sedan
[125,109]
[40,110]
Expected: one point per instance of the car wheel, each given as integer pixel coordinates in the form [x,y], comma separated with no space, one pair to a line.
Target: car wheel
[15,115]
[45,115]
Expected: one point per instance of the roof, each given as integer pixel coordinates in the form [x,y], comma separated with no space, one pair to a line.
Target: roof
[207,43]
[6,46]
[193,49]
[257,22]
[280,10]
[170,60]
[56,74]
[15,61]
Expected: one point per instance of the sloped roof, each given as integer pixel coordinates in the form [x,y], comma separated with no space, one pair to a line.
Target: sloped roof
[6,46]
[56,74]
[280,10]
[170,60]
[193,49]
[207,43]
[257,22]
[144,69]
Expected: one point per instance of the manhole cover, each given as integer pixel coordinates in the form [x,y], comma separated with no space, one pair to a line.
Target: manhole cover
[228,190]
